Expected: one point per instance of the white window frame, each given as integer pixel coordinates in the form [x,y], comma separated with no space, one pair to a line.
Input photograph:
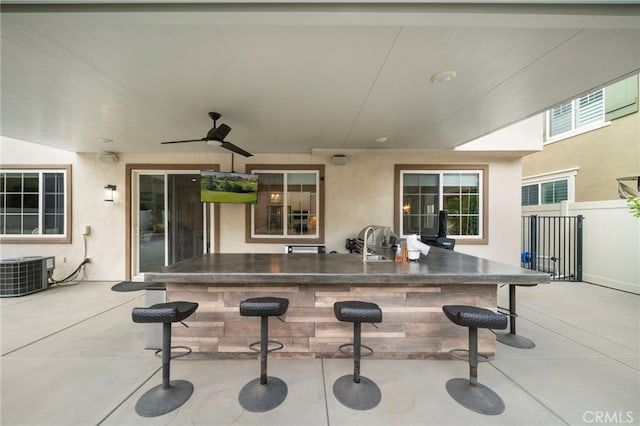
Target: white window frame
[285,237]
[568,174]
[38,235]
[480,170]
[574,131]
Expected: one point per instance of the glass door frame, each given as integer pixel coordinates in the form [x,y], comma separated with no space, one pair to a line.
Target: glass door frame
[210,217]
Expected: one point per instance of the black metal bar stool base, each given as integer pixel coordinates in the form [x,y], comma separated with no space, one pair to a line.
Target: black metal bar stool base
[477,398]
[161,400]
[515,340]
[258,398]
[511,338]
[358,396]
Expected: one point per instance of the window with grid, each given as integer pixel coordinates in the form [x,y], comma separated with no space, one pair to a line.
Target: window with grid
[580,112]
[422,193]
[289,205]
[34,205]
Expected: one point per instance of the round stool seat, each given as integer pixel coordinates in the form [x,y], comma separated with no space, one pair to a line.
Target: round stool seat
[472,316]
[264,307]
[356,311]
[164,312]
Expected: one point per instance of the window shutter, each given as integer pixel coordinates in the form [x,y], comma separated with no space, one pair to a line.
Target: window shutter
[560,191]
[590,108]
[554,192]
[621,98]
[530,195]
[560,119]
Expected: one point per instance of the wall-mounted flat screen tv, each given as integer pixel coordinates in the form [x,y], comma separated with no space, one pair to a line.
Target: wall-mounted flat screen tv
[228,187]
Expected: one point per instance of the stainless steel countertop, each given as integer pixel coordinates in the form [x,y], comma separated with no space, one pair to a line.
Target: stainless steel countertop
[438,267]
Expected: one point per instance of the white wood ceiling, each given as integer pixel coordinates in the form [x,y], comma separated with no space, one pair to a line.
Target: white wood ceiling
[290,78]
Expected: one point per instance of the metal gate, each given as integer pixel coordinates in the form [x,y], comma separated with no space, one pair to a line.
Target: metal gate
[553,244]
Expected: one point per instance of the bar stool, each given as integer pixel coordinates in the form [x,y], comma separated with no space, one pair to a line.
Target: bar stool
[469,393]
[171,394]
[356,391]
[511,338]
[264,393]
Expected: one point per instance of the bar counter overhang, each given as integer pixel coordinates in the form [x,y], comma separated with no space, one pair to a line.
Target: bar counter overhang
[411,296]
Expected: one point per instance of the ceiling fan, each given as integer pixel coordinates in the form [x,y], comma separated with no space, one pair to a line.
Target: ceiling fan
[218,133]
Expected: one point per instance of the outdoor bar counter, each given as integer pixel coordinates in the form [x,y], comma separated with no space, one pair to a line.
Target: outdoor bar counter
[410,294]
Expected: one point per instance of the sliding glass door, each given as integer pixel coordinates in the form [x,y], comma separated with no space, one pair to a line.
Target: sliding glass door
[169,221]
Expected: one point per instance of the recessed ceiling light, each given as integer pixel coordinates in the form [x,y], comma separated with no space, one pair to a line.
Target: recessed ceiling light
[382,139]
[443,76]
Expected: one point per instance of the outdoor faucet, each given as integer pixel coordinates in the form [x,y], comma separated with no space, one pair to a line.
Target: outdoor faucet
[364,246]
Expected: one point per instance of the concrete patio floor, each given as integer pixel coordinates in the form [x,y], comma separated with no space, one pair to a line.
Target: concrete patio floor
[72,356]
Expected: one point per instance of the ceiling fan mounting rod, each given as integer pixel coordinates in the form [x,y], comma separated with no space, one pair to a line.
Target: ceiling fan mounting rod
[214,116]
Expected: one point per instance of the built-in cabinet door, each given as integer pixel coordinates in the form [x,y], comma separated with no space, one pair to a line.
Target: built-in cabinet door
[169,221]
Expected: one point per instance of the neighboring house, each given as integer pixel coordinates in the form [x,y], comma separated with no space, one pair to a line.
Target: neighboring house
[589,143]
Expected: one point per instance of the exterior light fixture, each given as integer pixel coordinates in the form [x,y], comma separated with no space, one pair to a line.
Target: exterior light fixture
[108,192]
[274,197]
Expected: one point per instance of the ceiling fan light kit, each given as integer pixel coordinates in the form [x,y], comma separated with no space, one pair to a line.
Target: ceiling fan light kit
[217,134]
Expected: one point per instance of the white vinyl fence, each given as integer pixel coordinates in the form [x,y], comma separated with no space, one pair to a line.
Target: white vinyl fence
[611,241]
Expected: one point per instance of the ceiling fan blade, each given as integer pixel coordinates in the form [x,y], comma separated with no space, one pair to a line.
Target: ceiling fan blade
[231,147]
[189,140]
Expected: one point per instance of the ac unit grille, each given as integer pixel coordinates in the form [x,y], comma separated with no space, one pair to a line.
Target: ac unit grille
[23,275]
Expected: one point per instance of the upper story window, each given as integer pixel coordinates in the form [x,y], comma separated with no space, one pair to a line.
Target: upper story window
[593,110]
[422,191]
[290,206]
[582,112]
[35,204]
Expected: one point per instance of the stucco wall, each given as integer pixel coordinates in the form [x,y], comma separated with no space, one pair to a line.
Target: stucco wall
[357,194]
[602,155]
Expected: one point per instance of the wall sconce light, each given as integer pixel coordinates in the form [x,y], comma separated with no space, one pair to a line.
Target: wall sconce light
[108,192]
[274,197]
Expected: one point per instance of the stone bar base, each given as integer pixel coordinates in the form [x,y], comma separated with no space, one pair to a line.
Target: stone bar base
[413,324]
